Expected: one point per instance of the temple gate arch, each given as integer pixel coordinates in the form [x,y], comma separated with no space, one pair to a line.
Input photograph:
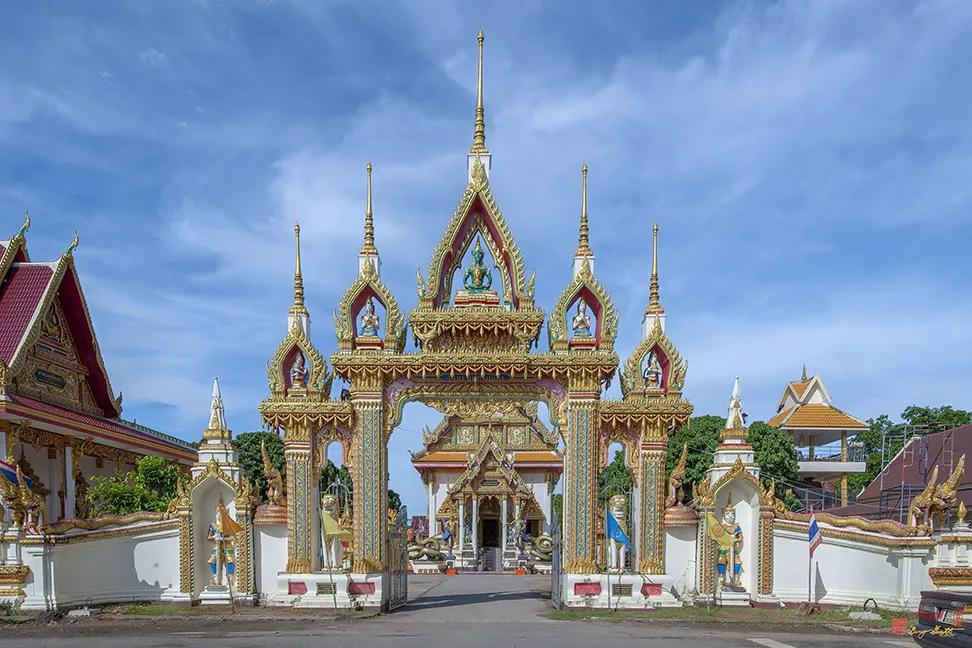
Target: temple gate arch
[473,356]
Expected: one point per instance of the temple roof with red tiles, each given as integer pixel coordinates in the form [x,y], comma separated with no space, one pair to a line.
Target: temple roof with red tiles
[51,368]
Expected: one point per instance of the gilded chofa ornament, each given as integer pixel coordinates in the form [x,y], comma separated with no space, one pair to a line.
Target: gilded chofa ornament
[585,285]
[366,286]
[657,346]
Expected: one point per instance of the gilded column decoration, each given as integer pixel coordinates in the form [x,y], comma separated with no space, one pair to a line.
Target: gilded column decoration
[370,478]
[244,543]
[766,552]
[186,567]
[299,460]
[652,545]
[580,501]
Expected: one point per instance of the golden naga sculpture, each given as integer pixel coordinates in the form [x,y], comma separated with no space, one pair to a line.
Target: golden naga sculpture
[945,493]
[675,481]
[275,490]
[28,510]
[931,506]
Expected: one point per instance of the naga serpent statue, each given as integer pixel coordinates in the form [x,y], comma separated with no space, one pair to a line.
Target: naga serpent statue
[427,549]
[541,548]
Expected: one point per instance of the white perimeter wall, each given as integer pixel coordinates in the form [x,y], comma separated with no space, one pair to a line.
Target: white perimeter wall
[135,566]
[269,556]
[680,558]
[849,571]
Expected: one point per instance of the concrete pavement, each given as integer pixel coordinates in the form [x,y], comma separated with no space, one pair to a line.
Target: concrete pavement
[469,611]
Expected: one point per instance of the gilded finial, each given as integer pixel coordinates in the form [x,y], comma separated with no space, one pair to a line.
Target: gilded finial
[298,308]
[728,501]
[369,231]
[73,246]
[479,134]
[583,241]
[960,514]
[25,226]
[479,247]
[804,376]
[654,303]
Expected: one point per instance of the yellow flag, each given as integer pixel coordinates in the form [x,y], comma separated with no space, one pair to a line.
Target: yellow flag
[332,528]
[717,532]
[228,526]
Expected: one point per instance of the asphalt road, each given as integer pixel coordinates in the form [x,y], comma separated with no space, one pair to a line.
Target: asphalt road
[448,612]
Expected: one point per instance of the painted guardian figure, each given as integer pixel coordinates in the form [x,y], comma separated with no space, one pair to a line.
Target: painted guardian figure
[653,373]
[618,551]
[298,373]
[477,279]
[222,533]
[730,563]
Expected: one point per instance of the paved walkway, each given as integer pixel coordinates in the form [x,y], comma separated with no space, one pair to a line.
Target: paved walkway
[475,598]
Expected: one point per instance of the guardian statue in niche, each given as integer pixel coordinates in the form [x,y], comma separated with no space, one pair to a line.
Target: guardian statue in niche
[653,373]
[582,321]
[369,320]
[477,278]
[298,373]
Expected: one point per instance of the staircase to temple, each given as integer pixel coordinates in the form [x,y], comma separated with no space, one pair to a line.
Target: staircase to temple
[492,560]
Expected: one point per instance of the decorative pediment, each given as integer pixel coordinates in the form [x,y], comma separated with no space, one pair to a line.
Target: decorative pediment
[490,458]
[706,495]
[297,367]
[368,285]
[477,214]
[587,288]
[636,377]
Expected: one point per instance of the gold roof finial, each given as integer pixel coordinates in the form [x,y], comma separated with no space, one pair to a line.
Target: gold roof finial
[804,377]
[369,231]
[479,134]
[479,247]
[654,304]
[25,226]
[583,241]
[73,246]
[298,308]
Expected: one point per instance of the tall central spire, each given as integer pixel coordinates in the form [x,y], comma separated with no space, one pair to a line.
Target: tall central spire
[479,134]
[478,153]
[369,228]
[583,242]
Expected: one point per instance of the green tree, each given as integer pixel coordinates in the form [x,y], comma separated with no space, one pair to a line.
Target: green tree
[150,487]
[557,502]
[394,500]
[702,436]
[945,415]
[251,459]
[777,458]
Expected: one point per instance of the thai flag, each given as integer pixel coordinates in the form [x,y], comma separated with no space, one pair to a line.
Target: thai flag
[815,537]
[10,472]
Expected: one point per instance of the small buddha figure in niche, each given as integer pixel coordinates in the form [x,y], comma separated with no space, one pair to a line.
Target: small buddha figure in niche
[298,373]
[477,279]
[369,320]
[582,321]
[653,373]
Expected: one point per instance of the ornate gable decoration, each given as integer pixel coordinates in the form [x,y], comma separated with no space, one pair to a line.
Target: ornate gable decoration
[296,356]
[635,382]
[488,456]
[585,287]
[466,223]
[366,286]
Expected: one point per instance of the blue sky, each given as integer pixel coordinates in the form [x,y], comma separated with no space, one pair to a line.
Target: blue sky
[807,161]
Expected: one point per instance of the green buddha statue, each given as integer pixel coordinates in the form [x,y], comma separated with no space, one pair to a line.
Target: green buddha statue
[477,279]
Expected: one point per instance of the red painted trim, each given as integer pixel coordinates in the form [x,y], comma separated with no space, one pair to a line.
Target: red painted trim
[651,589]
[476,208]
[357,589]
[587,589]
[69,295]
[359,302]
[593,303]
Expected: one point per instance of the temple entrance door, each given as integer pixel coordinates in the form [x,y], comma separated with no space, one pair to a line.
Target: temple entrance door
[491,533]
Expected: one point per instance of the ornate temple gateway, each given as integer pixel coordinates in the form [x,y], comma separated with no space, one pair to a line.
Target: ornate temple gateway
[473,354]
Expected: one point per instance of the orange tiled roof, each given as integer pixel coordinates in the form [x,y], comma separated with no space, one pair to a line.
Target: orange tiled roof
[819,415]
[800,386]
[779,418]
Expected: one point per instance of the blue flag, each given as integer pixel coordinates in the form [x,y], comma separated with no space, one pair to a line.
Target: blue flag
[614,531]
[10,472]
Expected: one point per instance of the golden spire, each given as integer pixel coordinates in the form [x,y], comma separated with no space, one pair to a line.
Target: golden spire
[654,305]
[298,308]
[479,134]
[369,232]
[583,242]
